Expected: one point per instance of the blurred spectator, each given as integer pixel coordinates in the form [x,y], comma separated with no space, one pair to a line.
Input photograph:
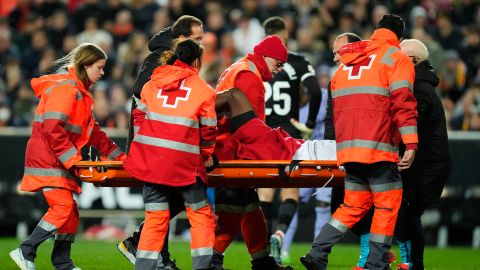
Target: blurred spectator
[86,10]
[453,81]
[161,19]
[249,32]
[466,115]
[211,68]
[470,50]
[122,27]
[22,106]
[144,11]
[94,34]
[31,57]
[447,34]
[57,29]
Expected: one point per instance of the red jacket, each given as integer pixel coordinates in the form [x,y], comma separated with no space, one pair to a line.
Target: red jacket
[178,125]
[248,75]
[373,100]
[63,124]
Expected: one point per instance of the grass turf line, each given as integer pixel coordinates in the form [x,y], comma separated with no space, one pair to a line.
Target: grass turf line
[103,255]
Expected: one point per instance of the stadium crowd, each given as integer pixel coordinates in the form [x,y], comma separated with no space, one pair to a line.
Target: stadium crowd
[35,33]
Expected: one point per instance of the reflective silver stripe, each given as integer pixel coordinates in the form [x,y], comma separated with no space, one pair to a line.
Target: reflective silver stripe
[65,237]
[90,130]
[374,90]
[401,84]
[207,143]
[367,144]
[136,129]
[386,187]
[79,95]
[38,118]
[237,209]
[48,172]
[156,206]
[356,186]
[115,153]
[379,238]
[196,206]
[260,254]
[387,57]
[47,226]
[190,148]
[408,130]
[73,128]
[71,82]
[68,154]
[183,121]
[56,116]
[338,225]
[201,252]
[140,105]
[251,66]
[211,122]
[47,189]
[145,254]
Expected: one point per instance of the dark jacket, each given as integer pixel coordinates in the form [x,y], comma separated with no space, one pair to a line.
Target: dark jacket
[432,164]
[159,43]
[329,129]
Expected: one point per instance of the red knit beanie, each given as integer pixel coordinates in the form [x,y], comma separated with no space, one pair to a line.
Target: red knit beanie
[272,46]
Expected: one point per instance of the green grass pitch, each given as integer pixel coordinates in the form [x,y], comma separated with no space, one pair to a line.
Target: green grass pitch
[103,255]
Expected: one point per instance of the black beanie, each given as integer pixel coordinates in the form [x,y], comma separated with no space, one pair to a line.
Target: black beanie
[393,23]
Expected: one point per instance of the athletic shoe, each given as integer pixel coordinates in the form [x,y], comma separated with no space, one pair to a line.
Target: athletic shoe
[403,266]
[276,241]
[308,262]
[17,257]
[391,258]
[127,250]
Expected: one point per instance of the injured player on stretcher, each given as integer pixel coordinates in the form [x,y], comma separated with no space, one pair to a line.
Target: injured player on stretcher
[252,139]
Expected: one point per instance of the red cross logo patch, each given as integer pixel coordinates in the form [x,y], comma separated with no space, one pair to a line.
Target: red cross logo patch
[172,97]
[355,72]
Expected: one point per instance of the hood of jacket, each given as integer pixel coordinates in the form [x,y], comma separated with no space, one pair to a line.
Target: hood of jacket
[355,52]
[169,77]
[261,65]
[425,72]
[162,39]
[43,83]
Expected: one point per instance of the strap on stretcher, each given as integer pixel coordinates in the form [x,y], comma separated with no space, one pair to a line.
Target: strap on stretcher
[229,174]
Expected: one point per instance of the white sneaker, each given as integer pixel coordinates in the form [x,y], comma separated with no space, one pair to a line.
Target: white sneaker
[18,258]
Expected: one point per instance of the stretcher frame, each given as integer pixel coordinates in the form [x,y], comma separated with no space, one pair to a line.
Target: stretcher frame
[229,174]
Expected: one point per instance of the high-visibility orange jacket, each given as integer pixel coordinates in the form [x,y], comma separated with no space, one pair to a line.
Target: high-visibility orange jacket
[248,75]
[178,125]
[373,100]
[63,124]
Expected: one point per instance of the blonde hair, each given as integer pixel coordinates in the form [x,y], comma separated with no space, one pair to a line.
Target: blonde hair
[414,47]
[83,55]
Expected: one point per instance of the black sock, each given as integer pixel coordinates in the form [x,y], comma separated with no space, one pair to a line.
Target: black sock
[285,214]
[267,212]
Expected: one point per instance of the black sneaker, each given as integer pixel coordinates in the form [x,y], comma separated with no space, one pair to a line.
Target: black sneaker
[127,250]
[309,263]
[169,264]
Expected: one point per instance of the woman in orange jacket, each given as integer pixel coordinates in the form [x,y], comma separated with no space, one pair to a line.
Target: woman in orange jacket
[63,124]
[174,144]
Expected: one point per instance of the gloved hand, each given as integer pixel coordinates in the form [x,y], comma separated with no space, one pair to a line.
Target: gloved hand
[211,163]
[305,131]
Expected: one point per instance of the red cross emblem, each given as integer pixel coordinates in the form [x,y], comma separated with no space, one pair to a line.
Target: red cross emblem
[355,72]
[172,97]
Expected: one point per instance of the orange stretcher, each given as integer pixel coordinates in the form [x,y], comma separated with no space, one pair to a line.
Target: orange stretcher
[230,174]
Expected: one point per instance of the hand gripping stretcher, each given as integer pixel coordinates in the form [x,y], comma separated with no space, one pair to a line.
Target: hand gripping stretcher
[230,174]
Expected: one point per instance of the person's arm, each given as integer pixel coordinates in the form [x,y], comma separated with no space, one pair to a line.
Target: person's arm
[151,62]
[329,128]
[208,127]
[107,147]
[59,106]
[252,87]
